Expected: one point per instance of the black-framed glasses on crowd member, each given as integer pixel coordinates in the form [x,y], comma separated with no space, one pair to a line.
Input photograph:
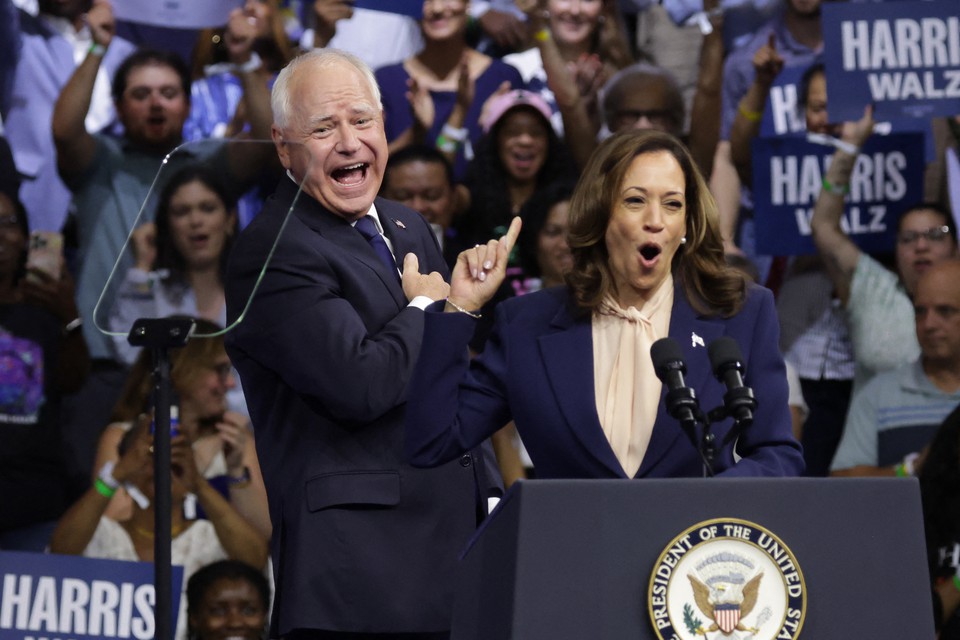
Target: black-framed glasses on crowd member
[933,234]
[9,221]
[627,118]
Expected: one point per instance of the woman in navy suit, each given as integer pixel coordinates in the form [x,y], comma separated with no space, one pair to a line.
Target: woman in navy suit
[571,365]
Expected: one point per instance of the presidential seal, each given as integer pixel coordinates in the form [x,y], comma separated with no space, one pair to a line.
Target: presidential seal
[727,578]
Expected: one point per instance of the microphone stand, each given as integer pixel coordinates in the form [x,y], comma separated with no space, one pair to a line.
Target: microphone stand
[683,406]
[159,335]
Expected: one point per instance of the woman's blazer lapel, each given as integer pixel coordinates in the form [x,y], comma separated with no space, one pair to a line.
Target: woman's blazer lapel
[567,353]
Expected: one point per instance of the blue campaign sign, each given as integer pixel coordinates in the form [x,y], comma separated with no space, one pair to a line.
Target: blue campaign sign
[781,113]
[904,57]
[412,8]
[788,175]
[54,596]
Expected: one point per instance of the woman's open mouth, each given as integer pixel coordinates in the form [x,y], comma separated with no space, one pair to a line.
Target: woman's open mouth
[649,253]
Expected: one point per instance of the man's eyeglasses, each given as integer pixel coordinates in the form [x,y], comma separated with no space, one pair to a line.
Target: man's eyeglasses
[9,221]
[933,234]
[659,118]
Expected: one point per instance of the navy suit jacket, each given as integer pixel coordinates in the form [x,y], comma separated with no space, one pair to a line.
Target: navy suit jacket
[537,369]
[362,541]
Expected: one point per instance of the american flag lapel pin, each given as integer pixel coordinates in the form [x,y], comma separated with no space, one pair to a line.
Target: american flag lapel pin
[398,223]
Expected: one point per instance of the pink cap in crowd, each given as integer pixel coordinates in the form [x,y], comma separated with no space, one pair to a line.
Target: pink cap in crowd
[510,100]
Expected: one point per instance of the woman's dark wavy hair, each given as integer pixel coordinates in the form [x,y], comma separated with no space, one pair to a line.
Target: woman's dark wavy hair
[490,204]
[168,257]
[712,287]
[940,487]
[534,215]
[201,582]
[20,212]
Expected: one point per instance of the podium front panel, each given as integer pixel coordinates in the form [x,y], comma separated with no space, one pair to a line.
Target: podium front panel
[572,559]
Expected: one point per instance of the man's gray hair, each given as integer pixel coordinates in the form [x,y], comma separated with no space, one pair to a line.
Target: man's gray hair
[280,97]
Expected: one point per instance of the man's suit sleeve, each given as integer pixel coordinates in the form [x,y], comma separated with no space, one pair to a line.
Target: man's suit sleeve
[454,406]
[332,333]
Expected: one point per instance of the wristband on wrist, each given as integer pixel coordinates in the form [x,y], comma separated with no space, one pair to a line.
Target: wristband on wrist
[472,314]
[72,326]
[241,482]
[103,488]
[453,133]
[752,116]
[252,64]
[822,138]
[956,582]
[97,49]
[446,145]
[909,463]
[106,475]
[542,35]
[835,189]
[847,147]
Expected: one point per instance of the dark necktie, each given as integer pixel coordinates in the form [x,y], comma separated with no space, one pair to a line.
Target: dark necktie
[368,229]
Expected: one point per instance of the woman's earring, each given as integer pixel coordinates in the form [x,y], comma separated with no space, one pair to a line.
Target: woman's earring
[683,240]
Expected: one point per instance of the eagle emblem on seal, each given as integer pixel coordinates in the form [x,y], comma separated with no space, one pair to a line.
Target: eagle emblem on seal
[725,588]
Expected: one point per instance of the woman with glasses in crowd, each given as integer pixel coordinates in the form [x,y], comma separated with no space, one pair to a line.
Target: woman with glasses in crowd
[85,529]
[221,440]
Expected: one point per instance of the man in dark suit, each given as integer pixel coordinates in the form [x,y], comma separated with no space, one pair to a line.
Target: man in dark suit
[364,546]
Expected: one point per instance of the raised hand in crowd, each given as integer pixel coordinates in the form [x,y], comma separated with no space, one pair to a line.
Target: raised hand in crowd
[240,35]
[77,526]
[101,22]
[589,73]
[767,65]
[328,13]
[58,296]
[504,28]
[424,111]
[839,252]
[485,108]
[612,40]
[859,131]
[143,241]
[234,431]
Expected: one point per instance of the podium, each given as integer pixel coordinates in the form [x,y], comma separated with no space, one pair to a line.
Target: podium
[573,559]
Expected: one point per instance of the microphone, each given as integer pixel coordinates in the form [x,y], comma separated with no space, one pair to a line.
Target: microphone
[727,363]
[669,366]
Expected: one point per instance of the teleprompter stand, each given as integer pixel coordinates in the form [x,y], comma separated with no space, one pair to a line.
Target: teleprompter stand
[159,335]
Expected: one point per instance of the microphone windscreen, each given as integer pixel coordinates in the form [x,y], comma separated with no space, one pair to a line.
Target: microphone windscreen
[724,351]
[665,351]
